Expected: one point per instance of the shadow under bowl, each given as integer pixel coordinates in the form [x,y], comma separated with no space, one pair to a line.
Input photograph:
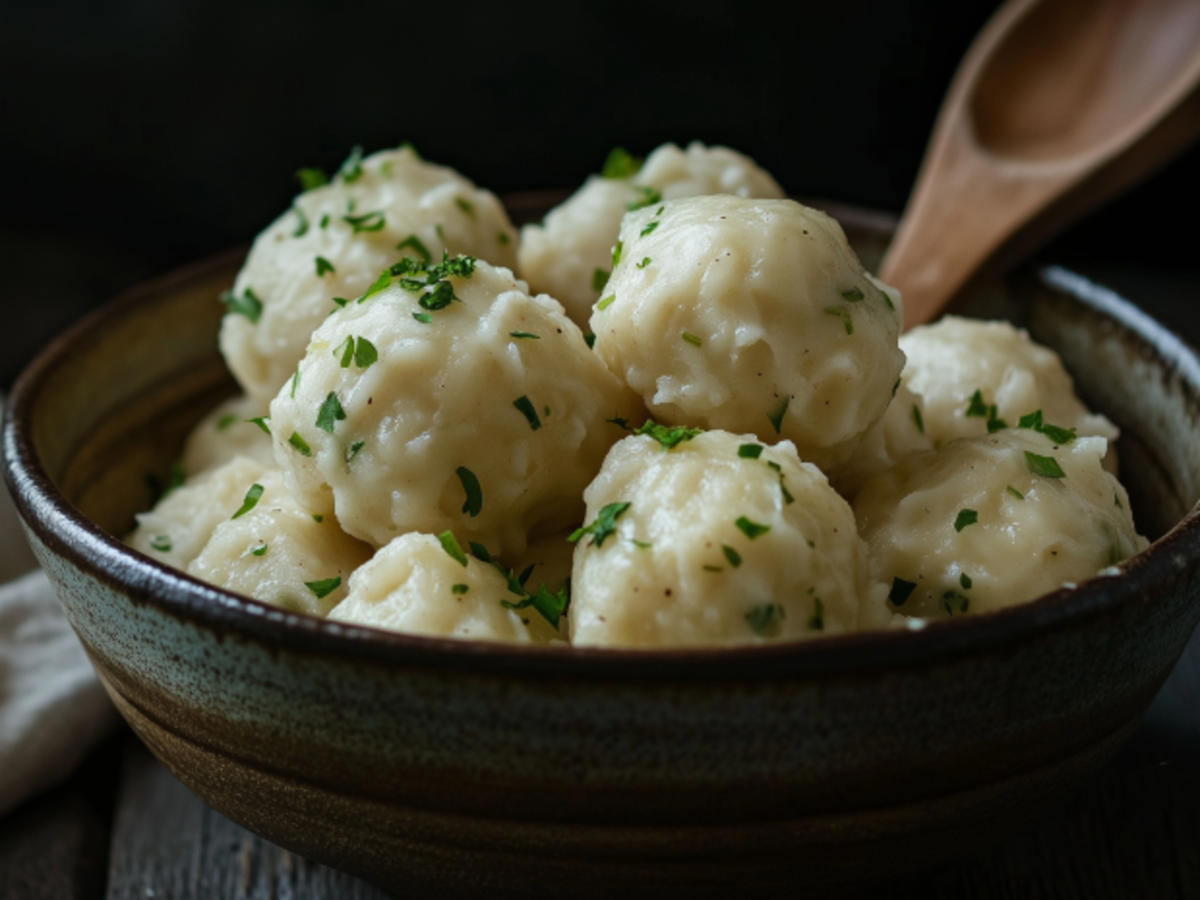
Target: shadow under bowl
[468,767]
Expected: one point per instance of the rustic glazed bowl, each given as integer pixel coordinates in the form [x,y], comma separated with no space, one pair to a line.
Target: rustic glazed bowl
[467,767]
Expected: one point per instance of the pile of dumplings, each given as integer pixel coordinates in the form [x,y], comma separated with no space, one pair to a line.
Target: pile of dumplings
[677,412]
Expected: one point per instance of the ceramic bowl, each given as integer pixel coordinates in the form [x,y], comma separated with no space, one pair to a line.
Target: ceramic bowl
[466,767]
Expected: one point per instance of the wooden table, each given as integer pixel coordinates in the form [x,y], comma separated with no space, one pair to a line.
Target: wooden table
[123,828]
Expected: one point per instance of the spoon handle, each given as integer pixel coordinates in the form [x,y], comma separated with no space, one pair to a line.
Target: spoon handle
[977,209]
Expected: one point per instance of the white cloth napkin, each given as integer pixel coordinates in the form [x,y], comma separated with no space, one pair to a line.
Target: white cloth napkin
[52,707]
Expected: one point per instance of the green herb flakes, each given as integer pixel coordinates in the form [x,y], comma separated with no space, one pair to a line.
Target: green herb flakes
[1046,466]
[840,312]
[453,550]
[550,606]
[604,524]
[1056,434]
[605,303]
[384,279]
[649,229]
[324,222]
[816,622]
[645,261]
[689,338]
[766,619]
[459,589]
[901,591]
[917,418]
[750,528]
[412,242]
[616,257]
[524,335]
[965,580]
[474,502]
[364,353]
[644,196]
[1012,490]
[775,416]
[352,451]
[787,495]
[301,222]
[750,451]
[976,406]
[323,266]
[261,422]
[853,295]
[503,238]
[295,381]
[964,518]
[669,436]
[465,205]
[253,495]
[372,221]
[620,164]
[260,550]
[247,304]
[526,408]
[589,338]
[161,543]
[351,170]
[732,556]
[424,318]
[225,421]
[324,587]
[599,280]
[300,445]
[330,412]
[954,602]
[310,178]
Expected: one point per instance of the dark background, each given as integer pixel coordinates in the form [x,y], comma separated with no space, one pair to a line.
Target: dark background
[144,135]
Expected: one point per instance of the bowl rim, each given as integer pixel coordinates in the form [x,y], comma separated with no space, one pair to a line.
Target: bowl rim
[146,581]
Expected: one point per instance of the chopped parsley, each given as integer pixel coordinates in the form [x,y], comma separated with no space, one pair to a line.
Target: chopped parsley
[330,412]
[465,205]
[353,451]
[372,221]
[323,266]
[361,350]
[977,408]
[670,436]
[953,599]
[423,317]
[524,334]
[1012,490]
[599,279]
[778,412]
[965,580]
[351,170]
[750,451]
[310,178]
[260,550]
[886,298]
[649,229]
[1058,435]
[604,524]
[918,420]
[620,163]
[474,502]
[766,619]
[384,279]
[503,237]
[734,558]
[301,222]
[295,381]
[901,591]
[324,222]
[550,606]
[842,313]
[616,255]
[1046,466]
[589,338]
[605,303]
[689,338]
[261,422]
[964,518]
[225,421]
[253,495]
[787,495]
[750,528]
[414,243]
[459,588]
[526,408]
[645,262]
[247,304]
[453,550]
[300,444]
[318,518]
[644,196]
[816,622]
[853,295]
[324,587]
[161,543]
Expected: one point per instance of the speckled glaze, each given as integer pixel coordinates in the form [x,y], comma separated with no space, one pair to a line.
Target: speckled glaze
[476,769]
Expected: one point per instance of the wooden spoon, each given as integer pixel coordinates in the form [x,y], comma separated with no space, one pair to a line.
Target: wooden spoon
[1057,106]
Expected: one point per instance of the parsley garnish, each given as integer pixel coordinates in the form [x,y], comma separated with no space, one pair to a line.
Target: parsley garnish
[964,518]
[161,543]
[260,550]
[620,164]
[524,334]
[649,229]
[459,588]
[750,528]
[647,196]
[645,262]
[384,279]
[599,280]
[1012,490]
[426,318]
[470,483]
[372,221]
[734,558]
[616,255]
[352,451]
[225,421]
[323,266]
[261,422]
[917,419]
[765,619]
[816,622]
[901,591]
[976,406]
[776,415]
[465,205]
[253,495]
[589,338]
[310,178]
[527,410]
[295,381]
[450,545]
[414,242]
[351,170]
[853,295]
[301,222]
[324,587]
[604,524]
[1058,435]
[605,303]
[842,313]
[787,495]
[364,353]
[503,237]
[300,444]
[965,580]
[670,436]
[331,411]
[247,304]
[886,298]
[1046,466]
[750,451]
[689,338]
[551,606]
[950,597]
[318,518]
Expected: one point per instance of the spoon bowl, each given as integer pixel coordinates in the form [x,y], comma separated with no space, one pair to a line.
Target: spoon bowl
[1057,106]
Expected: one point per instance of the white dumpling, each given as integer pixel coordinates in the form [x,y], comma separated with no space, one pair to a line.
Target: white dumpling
[421,584]
[987,522]
[280,553]
[180,524]
[751,316]
[333,243]
[569,254]
[720,540]
[898,433]
[953,358]
[485,416]
[232,429]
